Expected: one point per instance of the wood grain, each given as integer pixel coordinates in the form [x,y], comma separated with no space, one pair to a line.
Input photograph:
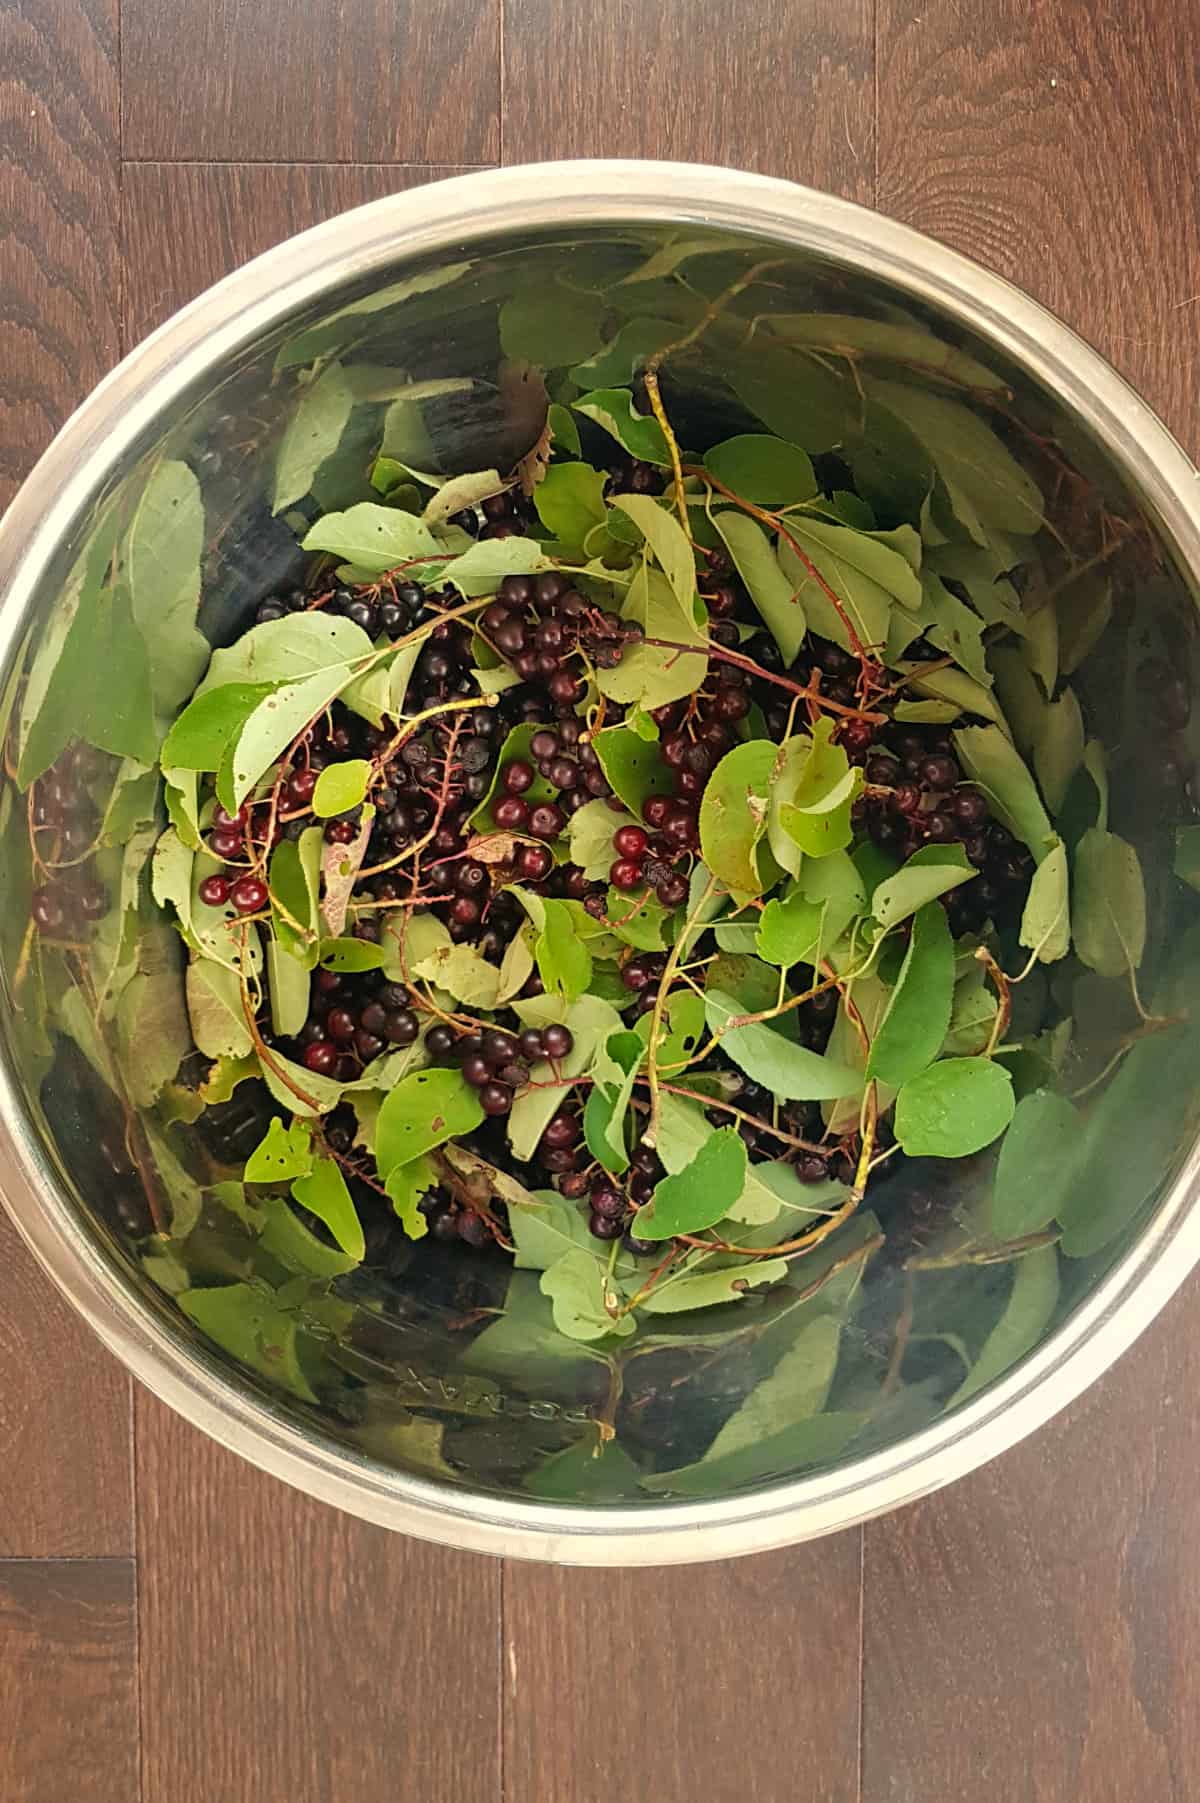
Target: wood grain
[64,1423]
[59,260]
[738,1682]
[777,88]
[68,1689]
[288,1651]
[232,212]
[64,1406]
[1058,144]
[1030,1633]
[374,81]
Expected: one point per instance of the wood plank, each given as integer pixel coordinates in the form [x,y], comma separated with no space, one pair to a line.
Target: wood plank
[379,81]
[352,1662]
[64,1486]
[68,1653]
[776,88]
[636,1683]
[59,271]
[288,1651]
[1054,144]
[1031,1632]
[736,1682]
[233,211]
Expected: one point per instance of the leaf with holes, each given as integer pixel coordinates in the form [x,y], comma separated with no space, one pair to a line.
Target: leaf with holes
[423,1111]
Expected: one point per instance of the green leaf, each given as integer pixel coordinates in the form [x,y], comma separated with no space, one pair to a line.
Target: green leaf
[284,650]
[564,431]
[349,956]
[813,787]
[791,1072]
[669,546]
[643,927]
[954,1108]
[1046,920]
[623,356]
[564,962]
[285,1237]
[115,714]
[949,624]
[372,537]
[246,1322]
[570,501]
[323,1192]
[313,434]
[461,492]
[676,1295]
[131,803]
[1109,910]
[591,1471]
[684,1014]
[162,567]
[590,837]
[1058,751]
[293,880]
[867,576]
[953,693]
[214,1004]
[423,1111]
[576,1287]
[851,337]
[406,1185]
[341,787]
[800,928]
[1039,646]
[639,434]
[607,1103]
[699,1195]
[515,749]
[797,1389]
[278,719]
[550,325]
[1027,1314]
[762,469]
[590,1022]
[284,1153]
[482,569]
[993,763]
[818,1441]
[733,815]
[632,765]
[546,1226]
[1039,1161]
[288,983]
[985,484]
[773,594]
[210,723]
[929,873]
[652,675]
[918,1015]
[462,972]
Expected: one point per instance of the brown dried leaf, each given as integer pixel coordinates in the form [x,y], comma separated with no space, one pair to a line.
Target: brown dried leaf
[340,865]
[526,407]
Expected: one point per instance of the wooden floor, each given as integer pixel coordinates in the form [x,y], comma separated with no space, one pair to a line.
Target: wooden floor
[175,1628]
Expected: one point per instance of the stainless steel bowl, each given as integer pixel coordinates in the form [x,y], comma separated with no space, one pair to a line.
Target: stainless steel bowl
[218,357]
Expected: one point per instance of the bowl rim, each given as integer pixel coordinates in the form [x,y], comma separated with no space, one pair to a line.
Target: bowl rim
[436,219]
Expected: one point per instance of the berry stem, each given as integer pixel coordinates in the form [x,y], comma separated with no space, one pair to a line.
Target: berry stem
[695,915]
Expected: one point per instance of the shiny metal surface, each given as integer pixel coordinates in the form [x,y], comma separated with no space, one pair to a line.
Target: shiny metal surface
[151,393]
